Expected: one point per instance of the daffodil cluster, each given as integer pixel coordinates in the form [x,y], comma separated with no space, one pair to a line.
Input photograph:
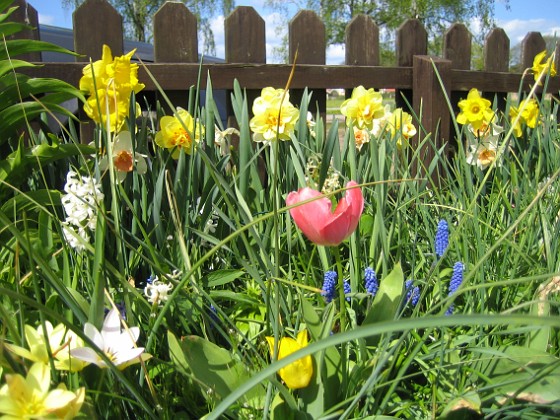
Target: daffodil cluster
[179,132]
[109,83]
[274,116]
[368,117]
[80,203]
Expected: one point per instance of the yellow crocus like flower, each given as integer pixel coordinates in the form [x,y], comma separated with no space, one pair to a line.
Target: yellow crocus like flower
[539,68]
[179,132]
[22,398]
[299,373]
[274,116]
[59,339]
[363,108]
[475,110]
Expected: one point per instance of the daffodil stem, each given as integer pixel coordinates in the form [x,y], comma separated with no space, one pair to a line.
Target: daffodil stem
[342,304]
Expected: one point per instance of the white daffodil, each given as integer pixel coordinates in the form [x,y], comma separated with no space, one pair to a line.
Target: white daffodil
[119,346]
[483,153]
[125,160]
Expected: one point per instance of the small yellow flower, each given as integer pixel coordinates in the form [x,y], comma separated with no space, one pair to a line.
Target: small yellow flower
[540,69]
[361,137]
[60,340]
[179,132]
[22,398]
[109,83]
[530,115]
[363,107]
[274,116]
[400,125]
[475,110]
[299,373]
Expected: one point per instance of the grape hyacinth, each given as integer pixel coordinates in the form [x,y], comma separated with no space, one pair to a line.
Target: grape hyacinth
[370,279]
[347,290]
[329,285]
[412,292]
[442,238]
[456,280]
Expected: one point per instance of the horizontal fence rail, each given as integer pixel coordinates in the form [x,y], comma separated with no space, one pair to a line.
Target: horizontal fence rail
[416,77]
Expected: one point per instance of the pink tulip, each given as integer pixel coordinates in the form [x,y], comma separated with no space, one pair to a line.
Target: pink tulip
[319,223]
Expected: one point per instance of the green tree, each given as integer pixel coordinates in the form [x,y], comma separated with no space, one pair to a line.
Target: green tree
[138,14]
[435,15]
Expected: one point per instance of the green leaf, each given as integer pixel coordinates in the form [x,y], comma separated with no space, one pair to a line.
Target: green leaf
[221,277]
[215,369]
[463,407]
[8,66]
[386,302]
[31,200]
[23,46]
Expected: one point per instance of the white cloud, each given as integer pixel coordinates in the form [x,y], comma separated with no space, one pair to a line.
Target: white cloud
[517,29]
[46,19]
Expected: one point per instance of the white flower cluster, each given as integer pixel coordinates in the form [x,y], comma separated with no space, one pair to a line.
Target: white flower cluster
[157,291]
[80,206]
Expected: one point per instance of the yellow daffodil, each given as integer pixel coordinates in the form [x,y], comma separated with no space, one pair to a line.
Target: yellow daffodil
[400,125]
[274,117]
[297,374]
[60,341]
[23,398]
[530,115]
[179,132]
[124,157]
[475,110]
[109,83]
[540,68]
[363,107]
[361,137]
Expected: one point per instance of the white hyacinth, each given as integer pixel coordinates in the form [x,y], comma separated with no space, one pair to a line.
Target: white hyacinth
[157,291]
[80,205]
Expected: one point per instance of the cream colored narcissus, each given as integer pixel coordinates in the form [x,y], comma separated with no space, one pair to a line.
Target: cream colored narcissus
[180,132]
[274,117]
[29,397]
[299,373]
[125,159]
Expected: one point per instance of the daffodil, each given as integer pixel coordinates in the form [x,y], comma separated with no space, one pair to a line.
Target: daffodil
[401,127]
[529,114]
[29,397]
[361,137]
[475,110]
[109,83]
[59,339]
[119,346]
[363,108]
[483,153]
[179,132]
[125,160]
[274,116]
[299,373]
[541,68]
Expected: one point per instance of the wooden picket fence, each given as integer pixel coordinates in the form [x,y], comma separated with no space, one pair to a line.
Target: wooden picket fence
[423,80]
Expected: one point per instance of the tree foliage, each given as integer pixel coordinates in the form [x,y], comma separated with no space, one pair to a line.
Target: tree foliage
[138,14]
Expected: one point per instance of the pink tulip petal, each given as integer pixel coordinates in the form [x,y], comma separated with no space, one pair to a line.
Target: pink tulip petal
[312,216]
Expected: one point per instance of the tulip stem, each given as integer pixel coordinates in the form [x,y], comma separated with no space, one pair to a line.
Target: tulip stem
[342,319]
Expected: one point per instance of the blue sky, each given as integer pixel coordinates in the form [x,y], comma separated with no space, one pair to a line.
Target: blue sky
[522,17]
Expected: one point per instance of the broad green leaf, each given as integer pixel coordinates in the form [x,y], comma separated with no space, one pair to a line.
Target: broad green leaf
[463,407]
[176,354]
[8,66]
[387,301]
[23,46]
[31,200]
[216,370]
